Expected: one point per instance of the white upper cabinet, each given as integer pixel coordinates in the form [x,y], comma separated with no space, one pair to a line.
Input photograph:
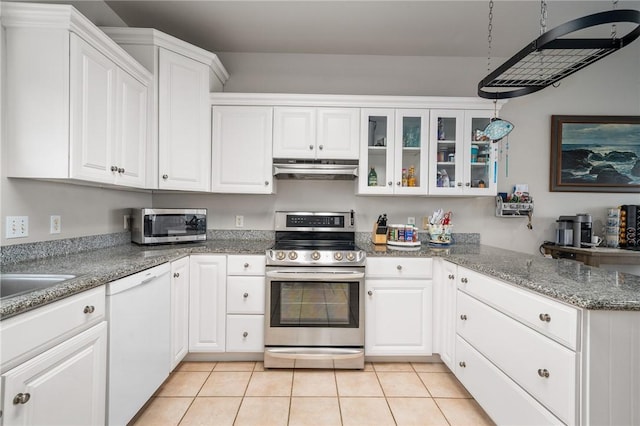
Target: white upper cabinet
[76,102]
[184,75]
[184,142]
[463,161]
[394,149]
[316,133]
[241,141]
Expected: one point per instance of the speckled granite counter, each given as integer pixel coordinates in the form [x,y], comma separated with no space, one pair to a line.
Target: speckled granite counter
[564,280]
[98,267]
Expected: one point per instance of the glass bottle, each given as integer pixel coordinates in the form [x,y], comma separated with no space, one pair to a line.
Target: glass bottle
[373,177]
[411,179]
[404,178]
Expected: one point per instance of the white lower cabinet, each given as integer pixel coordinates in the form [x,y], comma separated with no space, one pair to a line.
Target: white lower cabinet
[207,301]
[65,385]
[398,318]
[245,303]
[505,401]
[179,310]
[444,311]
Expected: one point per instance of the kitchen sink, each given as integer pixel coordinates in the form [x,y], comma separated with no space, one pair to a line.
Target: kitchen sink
[16,284]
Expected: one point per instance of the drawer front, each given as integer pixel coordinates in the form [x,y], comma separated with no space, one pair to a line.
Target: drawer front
[245,265]
[399,267]
[551,318]
[521,353]
[30,333]
[245,333]
[484,381]
[245,295]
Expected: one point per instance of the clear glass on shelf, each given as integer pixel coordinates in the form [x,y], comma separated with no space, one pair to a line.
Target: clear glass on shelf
[446,173]
[480,153]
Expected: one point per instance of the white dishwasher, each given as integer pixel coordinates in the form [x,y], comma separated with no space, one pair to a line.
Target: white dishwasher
[138,310]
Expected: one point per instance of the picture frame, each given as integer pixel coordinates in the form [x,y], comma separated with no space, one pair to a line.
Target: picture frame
[595,153]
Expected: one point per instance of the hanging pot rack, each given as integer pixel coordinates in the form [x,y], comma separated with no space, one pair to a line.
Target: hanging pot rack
[549,59]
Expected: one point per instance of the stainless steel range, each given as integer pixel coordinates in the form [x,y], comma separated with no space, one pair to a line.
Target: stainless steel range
[315,293]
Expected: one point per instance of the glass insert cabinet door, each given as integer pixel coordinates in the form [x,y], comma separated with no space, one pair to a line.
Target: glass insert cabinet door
[393,154]
[447,151]
[482,167]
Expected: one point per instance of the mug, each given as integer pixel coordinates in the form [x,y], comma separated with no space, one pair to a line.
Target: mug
[595,240]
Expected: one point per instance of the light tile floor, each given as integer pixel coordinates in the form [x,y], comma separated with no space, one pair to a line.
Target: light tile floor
[243,394]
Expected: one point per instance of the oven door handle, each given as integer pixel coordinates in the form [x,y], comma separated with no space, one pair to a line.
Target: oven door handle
[315,276]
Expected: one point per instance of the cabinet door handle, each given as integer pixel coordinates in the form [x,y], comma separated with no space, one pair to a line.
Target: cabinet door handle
[390,183]
[176,274]
[463,317]
[165,177]
[245,334]
[321,147]
[245,295]
[246,265]
[459,183]
[451,276]
[89,309]
[543,372]
[399,267]
[121,170]
[311,147]
[467,184]
[370,293]
[114,168]
[545,317]
[21,398]
[266,183]
[464,280]
[462,364]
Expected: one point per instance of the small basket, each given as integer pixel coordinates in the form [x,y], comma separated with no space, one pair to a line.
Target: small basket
[440,234]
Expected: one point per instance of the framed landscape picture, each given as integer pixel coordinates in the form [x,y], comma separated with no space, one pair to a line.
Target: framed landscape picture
[595,153]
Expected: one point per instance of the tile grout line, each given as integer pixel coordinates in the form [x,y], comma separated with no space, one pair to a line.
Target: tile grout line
[195,397]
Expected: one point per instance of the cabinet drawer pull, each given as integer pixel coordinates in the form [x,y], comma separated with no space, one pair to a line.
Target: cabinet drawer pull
[451,276]
[89,309]
[463,317]
[543,372]
[246,265]
[399,267]
[462,364]
[176,274]
[245,295]
[545,317]
[370,293]
[245,334]
[21,398]
[464,280]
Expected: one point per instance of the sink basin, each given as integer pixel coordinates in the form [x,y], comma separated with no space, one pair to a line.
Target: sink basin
[16,284]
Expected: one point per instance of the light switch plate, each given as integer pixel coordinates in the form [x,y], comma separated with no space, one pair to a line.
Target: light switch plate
[55,224]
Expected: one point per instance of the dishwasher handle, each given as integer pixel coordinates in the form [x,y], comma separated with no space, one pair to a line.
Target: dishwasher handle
[135,280]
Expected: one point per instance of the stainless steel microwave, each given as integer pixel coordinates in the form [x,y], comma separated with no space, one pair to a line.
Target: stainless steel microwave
[161,226]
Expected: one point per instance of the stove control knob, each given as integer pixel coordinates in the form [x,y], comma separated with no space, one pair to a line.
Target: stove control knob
[280,255]
[293,255]
[337,256]
[351,256]
[315,255]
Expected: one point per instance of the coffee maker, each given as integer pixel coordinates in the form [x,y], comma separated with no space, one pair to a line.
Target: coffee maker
[574,230]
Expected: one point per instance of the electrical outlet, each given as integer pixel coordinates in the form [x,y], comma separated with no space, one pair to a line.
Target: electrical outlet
[55,224]
[239,221]
[411,220]
[17,227]
[126,221]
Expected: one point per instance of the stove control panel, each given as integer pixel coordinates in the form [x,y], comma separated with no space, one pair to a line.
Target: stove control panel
[315,257]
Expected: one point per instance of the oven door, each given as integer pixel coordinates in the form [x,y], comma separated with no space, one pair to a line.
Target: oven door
[315,307]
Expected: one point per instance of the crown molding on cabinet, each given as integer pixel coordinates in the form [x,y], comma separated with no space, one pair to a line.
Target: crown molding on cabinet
[146,36]
[355,101]
[66,17]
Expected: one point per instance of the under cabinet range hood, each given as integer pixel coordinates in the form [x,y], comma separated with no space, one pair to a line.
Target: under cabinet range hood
[315,169]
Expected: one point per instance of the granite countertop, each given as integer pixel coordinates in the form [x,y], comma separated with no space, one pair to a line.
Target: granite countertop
[564,280]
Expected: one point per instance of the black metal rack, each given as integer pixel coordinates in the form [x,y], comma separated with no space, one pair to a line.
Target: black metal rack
[549,59]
